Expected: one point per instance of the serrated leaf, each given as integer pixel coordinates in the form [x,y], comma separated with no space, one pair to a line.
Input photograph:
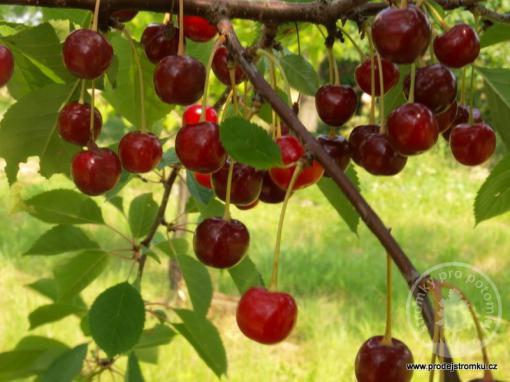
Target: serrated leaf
[246,275]
[66,367]
[117,319]
[61,239]
[249,143]
[64,207]
[197,191]
[300,73]
[157,336]
[54,312]
[205,338]
[339,201]
[495,34]
[175,247]
[142,212]
[133,372]
[48,288]
[198,282]
[76,273]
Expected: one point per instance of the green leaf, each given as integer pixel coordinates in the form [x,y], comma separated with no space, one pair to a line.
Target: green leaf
[142,213]
[198,192]
[76,273]
[211,209]
[133,372]
[204,337]
[199,51]
[61,239]
[117,319]
[77,16]
[339,201]
[300,73]
[249,144]
[148,355]
[48,288]
[64,207]
[246,275]
[54,312]
[395,97]
[29,128]
[66,367]
[157,336]
[495,34]
[175,247]
[198,282]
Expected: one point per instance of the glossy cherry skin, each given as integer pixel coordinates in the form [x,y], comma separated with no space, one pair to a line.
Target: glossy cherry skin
[220,243]
[160,41]
[87,54]
[125,15]
[457,47]
[363,74]
[336,104]
[356,139]
[401,35]
[140,152]
[379,157]
[179,80]
[199,29]
[271,193]
[446,118]
[436,87]
[6,65]
[377,362]
[292,151]
[248,206]
[472,145]
[74,123]
[246,184]
[96,171]
[266,317]
[199,148]
[220,67]
[337,148]
[205,180]
[193,114]
[463,117]
[412,129]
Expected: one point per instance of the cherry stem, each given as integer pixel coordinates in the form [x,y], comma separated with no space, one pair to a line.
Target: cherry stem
[333,67]
[235,96]
[354,43]
[435,14]
[217,44]
[463,87]
[277,247]
[372,83]
[82,92]
[388,340]
[472,96]
[96,16]
[227,102]
[274,61]
[180,50]
[167,18]
[381,97]
[413,83]
[92,110]
[226,214]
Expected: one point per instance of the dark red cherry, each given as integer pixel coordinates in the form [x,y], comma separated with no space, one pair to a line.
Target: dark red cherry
[457,47]
[337,148]
[204,180]
[193,113]
[446,118]
[199,29]
[335,104]
[6,65]
[74,123]
[292,151]
[87,54]
[377,362]
[96,171]
[140,152]
[265,316]
[472,145]
[220,67]
[463,117]
[412,129]
[160,41]
[179,80]
[125,15]
[221,243]
[379,157]
[363,74]
[436,87]
[271,193]
[199,148]
[356,139]
[401,35]
[248,206]
[246,184]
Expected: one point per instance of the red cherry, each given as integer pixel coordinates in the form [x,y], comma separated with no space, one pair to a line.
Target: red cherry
[140,152]
[74,123]
[377,362]
[401,35]
[266,317]
[220,67]
[436,87]
[446,118]
[199,148]
[179,80]
[87,54]
[246,184]
[335,104]
[363,74]
[248,206]
[125,15]
[6,65]
[379,157]
[96,171]
[221,243]
[160,41]
[292,151]
[457,47]
[412,129]
[199,29]
[337,148]
[271,193]
[193,114]
[356,139]
[204,180]
[472,145]
[463,117]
